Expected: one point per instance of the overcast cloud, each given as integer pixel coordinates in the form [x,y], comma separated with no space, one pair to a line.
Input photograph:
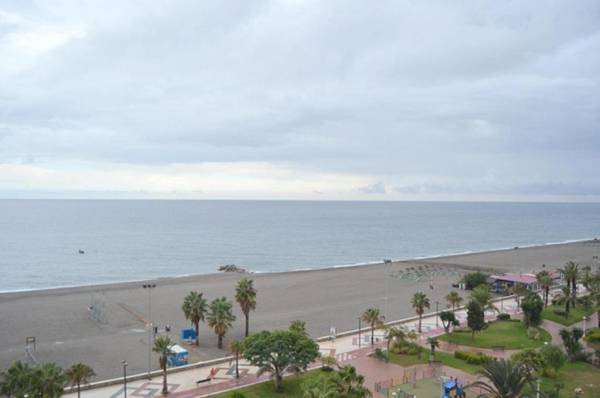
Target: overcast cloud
[301,99]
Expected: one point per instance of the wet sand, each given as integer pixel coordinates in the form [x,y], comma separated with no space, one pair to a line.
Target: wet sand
[66,332]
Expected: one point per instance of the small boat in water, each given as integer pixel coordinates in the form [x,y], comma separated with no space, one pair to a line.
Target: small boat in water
[81,251]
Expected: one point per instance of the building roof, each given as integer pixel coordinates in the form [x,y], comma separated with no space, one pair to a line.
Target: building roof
[516,278]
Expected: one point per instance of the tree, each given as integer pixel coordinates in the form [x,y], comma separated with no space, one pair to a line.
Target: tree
[532,306]
[571,273]
[566,298]
[506,379]
[48,381]
[346,383]
[592,284]
[352,383]
[475,279]
[482,295]
[433,344]
[194,309]
[278,352]
[393,334]
[553,356]
[518,290]
[454,299]
[220,318]
[245,295]
[79,374]
[448,319]
[419,303]
[163,347]
[299,327]
[571,342]
[531,359]
[16,380]
[374,318]
[475,317]
[545,281]
[237,348]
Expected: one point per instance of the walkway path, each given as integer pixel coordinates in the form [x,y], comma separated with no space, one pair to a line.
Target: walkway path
[345,349]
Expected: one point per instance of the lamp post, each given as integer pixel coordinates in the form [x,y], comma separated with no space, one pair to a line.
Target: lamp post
[359,326]
[584,324]
[149,287]
[124,363]
[437,304]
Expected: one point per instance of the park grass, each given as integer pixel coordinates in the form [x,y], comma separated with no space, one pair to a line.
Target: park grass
[575,315]
[292,387]
[509,335]
[573,375]
[445,358]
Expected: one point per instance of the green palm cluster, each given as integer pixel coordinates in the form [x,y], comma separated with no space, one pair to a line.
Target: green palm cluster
[43,381]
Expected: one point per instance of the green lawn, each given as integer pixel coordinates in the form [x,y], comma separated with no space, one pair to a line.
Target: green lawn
[443,357]
[573,375]
[292,387]
[510,335]
[575,315]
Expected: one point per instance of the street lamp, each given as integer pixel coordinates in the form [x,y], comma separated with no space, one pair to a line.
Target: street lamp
[124,363]
[149,287]
[359,326]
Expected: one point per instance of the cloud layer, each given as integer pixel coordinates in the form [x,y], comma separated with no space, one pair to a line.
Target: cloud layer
[397,100]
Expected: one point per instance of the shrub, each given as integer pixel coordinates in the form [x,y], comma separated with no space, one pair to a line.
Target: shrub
[534,334]
[593,335]
[379,354]
[503,317]
[474,358]
[407,348]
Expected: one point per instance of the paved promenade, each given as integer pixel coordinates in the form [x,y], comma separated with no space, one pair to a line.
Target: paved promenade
[345,349]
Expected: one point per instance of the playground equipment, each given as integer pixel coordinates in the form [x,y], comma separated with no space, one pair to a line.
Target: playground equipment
[451,388]
[179,356]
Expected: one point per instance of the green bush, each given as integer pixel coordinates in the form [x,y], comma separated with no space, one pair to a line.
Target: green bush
[593,335]
[379,354]
[503,317]
[407,348]
[533,333]
[475,279]
[474,358]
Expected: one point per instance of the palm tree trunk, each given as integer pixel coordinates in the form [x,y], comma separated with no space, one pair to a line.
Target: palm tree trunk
[165,390]
[372,333]
[598,316]
[78,390]
[420,316]
[247,314]
[547,291]
[197,333]
[220,343]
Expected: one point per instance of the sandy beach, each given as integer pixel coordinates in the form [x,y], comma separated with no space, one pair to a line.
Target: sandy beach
[66,332]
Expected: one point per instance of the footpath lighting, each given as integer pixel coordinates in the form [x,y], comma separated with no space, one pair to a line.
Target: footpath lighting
[149,287]
[124,363]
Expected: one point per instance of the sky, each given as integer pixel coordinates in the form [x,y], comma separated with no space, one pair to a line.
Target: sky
[319,100]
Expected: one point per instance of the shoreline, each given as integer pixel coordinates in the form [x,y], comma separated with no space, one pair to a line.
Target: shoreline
[186,277]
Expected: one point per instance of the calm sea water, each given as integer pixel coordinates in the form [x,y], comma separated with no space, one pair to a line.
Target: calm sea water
[132,240]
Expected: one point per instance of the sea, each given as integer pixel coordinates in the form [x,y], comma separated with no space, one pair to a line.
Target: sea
[58,243]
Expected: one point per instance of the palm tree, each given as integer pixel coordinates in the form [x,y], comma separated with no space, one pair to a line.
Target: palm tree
[505,379]
[237,348]
[374,318]
[419,303]
[48,381]
[194,309]
[454,299]
[566,298]
[79,374]
[571,273]
[298,326]
[482,295]
[517,290]
[352,383]
[163,347]
[393,334]
[220,318]
[545,281]
[16,380]
[433,344]
[245,295]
